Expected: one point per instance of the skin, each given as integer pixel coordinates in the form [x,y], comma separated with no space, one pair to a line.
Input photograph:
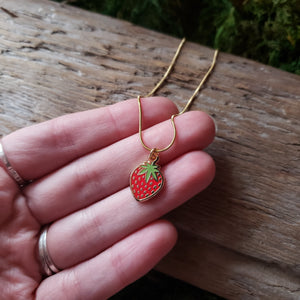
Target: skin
[79,164]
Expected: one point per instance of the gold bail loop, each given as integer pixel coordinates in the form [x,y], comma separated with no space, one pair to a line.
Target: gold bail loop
[153,156]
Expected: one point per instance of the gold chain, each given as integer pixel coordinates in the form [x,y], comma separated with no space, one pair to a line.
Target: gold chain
[187,106]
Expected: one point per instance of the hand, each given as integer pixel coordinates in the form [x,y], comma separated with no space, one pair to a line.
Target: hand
[100,236]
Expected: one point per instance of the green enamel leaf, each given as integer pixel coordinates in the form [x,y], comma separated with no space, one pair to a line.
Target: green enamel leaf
[149,170]
[154,176]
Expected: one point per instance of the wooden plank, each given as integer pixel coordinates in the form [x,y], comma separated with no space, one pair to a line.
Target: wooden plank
[228,273]
[240,238]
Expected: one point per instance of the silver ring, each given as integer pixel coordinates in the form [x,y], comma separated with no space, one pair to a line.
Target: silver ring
[48,266]
[11,171]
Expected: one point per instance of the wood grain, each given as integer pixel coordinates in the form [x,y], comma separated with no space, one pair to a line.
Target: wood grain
[241,237]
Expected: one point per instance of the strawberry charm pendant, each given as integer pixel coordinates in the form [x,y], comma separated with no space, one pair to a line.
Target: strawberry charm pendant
[146,180]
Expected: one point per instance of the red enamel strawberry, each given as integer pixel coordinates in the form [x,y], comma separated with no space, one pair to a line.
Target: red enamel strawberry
[146,181]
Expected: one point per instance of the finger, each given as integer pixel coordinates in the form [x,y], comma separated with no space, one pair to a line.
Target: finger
[104,172]
[112,270]
[89,231]
[40,149]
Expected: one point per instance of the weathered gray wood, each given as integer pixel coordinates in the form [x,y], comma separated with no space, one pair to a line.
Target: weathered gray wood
[240,238]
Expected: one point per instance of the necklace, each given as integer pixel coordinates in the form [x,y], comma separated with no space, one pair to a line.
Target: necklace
[147,180]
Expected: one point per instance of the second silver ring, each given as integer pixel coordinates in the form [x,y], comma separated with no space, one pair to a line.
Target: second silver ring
[48,266]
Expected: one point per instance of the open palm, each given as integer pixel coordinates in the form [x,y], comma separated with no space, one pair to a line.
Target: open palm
[100,237]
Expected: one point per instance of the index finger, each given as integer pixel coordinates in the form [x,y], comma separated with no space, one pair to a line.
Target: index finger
[40,149]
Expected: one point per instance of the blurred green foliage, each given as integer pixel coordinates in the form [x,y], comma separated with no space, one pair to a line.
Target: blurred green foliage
[264,30]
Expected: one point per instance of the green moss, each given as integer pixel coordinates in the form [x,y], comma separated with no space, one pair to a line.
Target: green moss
[267,31]
[264,30]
